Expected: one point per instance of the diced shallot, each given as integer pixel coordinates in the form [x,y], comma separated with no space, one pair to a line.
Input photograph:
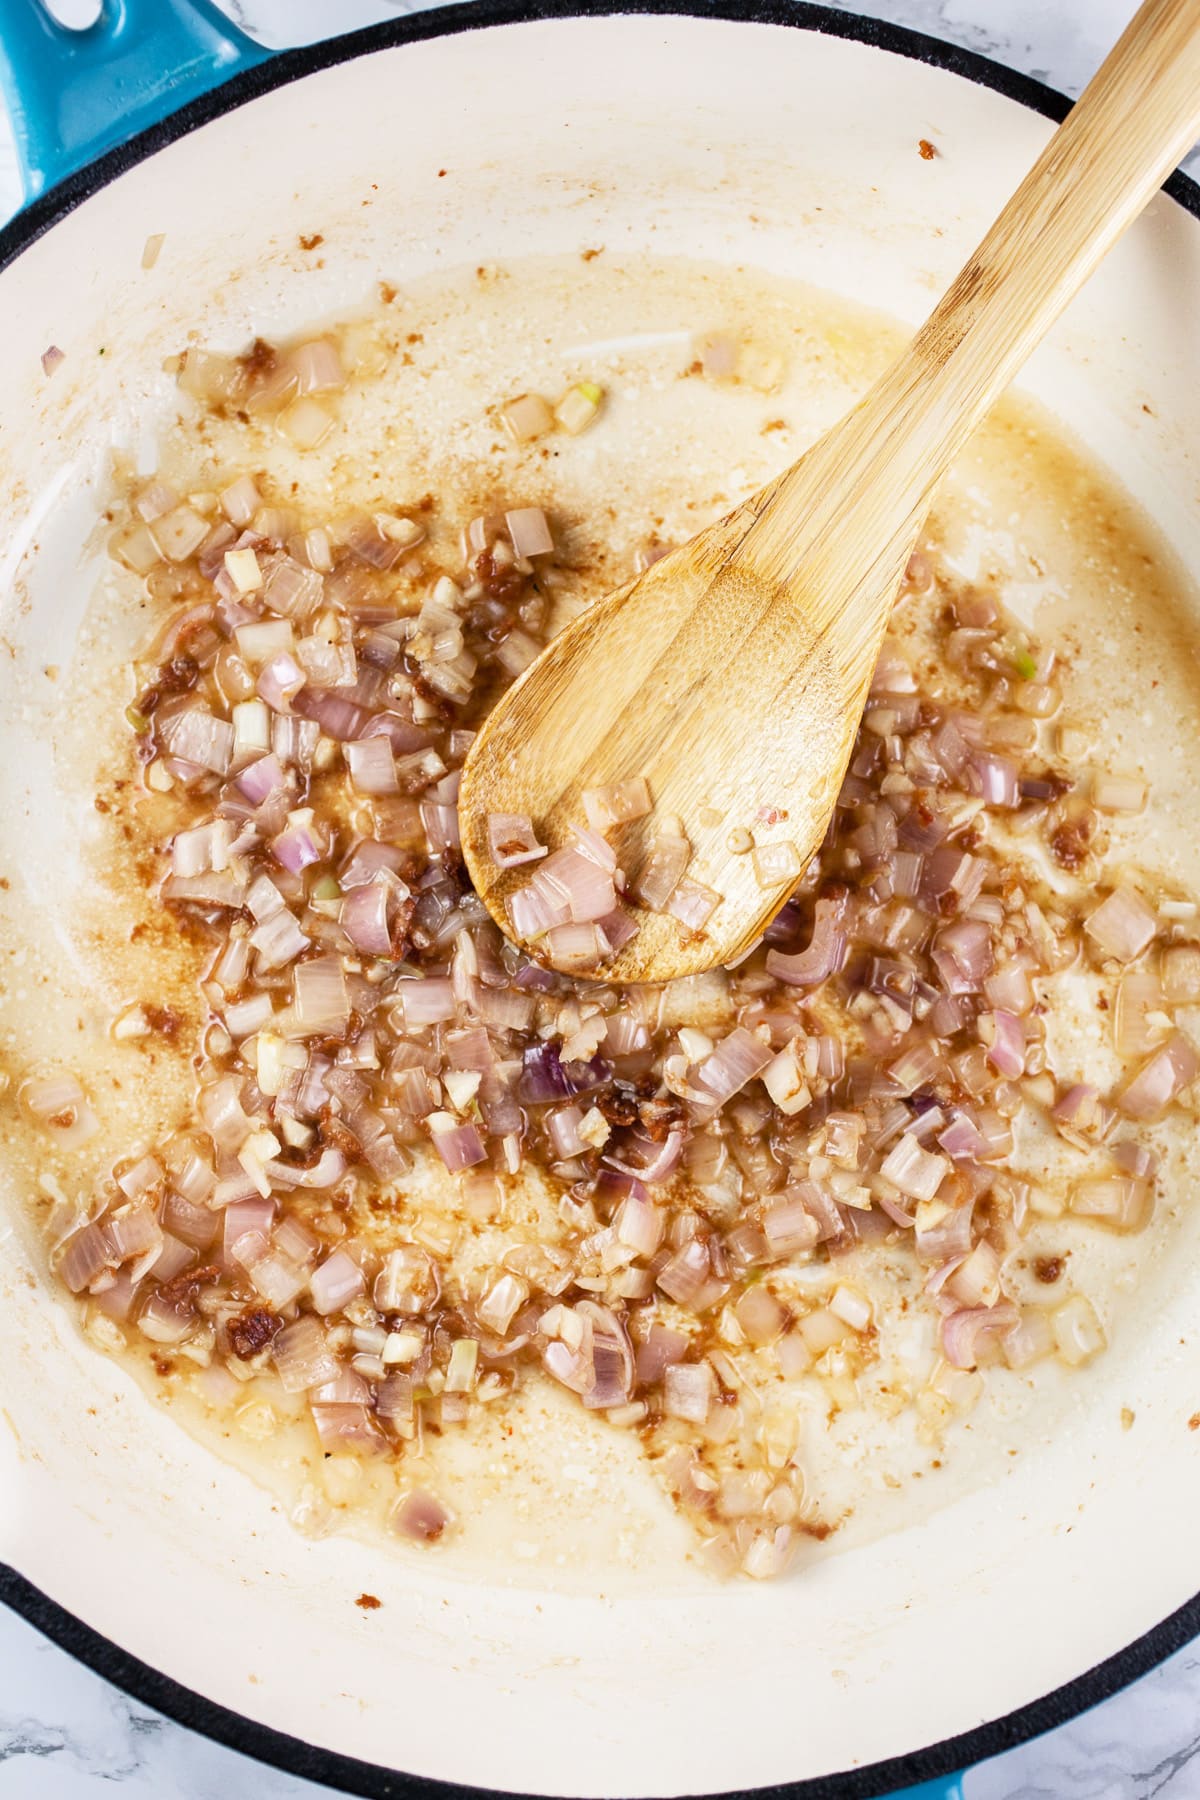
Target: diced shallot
[1161,1080]
[966,1331]
[302,1355]
[736,1060]
[421,1516]
[1121,926]
[688,1391]
[512,841]
[916,1172]
[372,766]
[459,1146]
[321,998]
[618,804]
[528,531]
[826,952]
[335,1282]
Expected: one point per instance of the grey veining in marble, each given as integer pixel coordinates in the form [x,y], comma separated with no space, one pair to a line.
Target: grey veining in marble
[67,1735]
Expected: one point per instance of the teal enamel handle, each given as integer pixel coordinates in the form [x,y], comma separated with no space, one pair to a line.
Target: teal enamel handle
[74,94]
[948,1788]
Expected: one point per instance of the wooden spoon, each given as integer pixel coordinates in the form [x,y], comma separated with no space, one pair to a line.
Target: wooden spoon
[732,674]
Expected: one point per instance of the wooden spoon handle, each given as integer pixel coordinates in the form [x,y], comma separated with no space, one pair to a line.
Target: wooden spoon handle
[1138,117]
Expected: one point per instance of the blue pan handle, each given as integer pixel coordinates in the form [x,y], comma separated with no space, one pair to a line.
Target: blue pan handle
[74,94]
[948,1788]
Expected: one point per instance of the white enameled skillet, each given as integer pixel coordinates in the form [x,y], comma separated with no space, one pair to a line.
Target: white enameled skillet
[783,136]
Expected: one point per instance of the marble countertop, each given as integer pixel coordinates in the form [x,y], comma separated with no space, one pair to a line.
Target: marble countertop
[67,1735]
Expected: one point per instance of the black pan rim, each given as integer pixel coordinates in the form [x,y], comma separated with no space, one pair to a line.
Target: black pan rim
[149,1686]
[286,66]
[349,1775]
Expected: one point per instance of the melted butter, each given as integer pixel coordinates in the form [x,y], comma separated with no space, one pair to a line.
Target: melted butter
[540,1489]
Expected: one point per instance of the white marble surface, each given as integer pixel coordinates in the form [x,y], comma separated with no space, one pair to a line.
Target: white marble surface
[67,1735]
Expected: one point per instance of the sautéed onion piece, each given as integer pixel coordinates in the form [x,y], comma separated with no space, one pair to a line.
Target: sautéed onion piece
[864,1078]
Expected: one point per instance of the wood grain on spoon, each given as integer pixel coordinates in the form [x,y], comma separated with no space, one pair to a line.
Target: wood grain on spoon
[733,673]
